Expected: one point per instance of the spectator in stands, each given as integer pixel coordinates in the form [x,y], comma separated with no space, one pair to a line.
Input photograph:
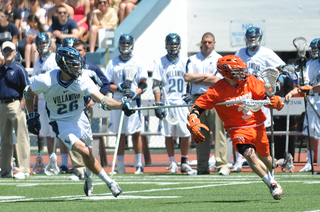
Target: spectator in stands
[8,31]
[104,17]
[23,7]
[116,68]
[174,88]
[36,27]
[63,27]
[13,80]
[53,12]
[47,5]
[14,13]
[36,9]
[81,10]
[202,73]
[126,7]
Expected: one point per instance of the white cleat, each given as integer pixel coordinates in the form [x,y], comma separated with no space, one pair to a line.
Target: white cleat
[115,189]
[237,167]
[186,168]
[119,170]
[21,175]
[88,185]
[139,170]
[306,168]
[173,168]
[276,191]
[52,168]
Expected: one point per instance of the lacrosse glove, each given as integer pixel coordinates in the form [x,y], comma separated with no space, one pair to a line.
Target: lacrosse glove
[33,122]
[130,94]
[160,113]
[275,103]
[195,127]
[187,98]
[124,85]
[305,90]
[127,108]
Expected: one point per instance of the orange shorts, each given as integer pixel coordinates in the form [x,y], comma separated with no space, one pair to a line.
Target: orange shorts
[255,136]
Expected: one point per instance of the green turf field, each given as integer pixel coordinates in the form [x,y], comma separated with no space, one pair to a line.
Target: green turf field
[162,192]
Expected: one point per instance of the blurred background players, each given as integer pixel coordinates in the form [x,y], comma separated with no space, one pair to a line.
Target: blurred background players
[168,75]
[312,77]
[202,73]
[257,59]
[121,87]
[13,79]
[45,63]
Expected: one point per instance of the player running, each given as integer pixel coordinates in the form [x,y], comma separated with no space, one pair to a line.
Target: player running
[64,90]
[245,127]
[168,75]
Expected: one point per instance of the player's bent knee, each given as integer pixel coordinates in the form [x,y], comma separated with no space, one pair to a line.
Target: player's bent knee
[246,149]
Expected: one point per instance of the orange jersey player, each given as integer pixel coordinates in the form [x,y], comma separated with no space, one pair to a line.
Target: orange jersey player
[244,126]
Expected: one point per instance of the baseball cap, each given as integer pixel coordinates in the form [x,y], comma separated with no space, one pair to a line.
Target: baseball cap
[8,44]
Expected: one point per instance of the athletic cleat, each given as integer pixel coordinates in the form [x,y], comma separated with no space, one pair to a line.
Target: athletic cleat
[119,170]
[306,168]
[237,167]
[173,168]
[88,185]
[115,189]
[21,175]
[186,168]
[224,172]
[63,169]
[52,167]
[276,191]
[139,170]
[6,175]
[76,177]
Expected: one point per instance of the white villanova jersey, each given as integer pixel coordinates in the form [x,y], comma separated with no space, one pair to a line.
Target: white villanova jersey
[41,67]
[171,76]
[313,77]
[259,60]
[64,101]
[116,72]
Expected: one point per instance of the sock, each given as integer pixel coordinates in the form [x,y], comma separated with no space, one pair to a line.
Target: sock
[268,179]
[238,157]
[139,159]
[184,159]
[89,172]
[309,156]
[172,159]
[120,158]
[64,159]
[103,176]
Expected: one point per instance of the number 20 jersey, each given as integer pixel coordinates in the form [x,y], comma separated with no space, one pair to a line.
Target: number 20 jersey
[64,101]
[171,76]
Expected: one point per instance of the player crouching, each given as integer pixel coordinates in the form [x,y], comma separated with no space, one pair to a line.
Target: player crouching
[244,126]
[63,91]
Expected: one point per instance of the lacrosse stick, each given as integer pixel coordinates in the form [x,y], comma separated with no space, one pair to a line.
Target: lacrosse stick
[288,163]
[160,107]
[301,44]
[171,116]
[52,168]
[270,75]
[117,142]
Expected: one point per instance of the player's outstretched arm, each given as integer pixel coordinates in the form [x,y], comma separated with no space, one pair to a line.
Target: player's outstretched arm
[33,122]
[195,126]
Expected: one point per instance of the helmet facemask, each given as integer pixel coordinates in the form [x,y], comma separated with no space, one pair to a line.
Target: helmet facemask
[239,75]
[173,49]
[73,68]
[253,38]
[125,48]
[43,48]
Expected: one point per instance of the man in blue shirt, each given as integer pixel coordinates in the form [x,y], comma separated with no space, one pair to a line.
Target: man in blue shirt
[13,80]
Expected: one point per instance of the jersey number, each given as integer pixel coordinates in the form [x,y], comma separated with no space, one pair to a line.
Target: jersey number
[63,108]
[175,85]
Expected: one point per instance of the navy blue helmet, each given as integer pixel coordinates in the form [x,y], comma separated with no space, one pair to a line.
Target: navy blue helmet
[175,43]
[69,61]
[68,41]
[253,37]
[126,43]
[314,48]
[43,44]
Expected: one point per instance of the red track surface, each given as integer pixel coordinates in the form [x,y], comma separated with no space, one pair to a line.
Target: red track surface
[164,159]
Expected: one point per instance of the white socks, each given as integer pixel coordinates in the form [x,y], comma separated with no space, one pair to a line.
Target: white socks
[103,176]
[139,159]
[172,160]
[238,157]
[64,159]
[268,179]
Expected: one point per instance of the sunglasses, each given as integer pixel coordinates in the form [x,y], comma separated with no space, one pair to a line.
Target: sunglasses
[8,50]
[62,13]
[102,2]
[34,25]
[2,16]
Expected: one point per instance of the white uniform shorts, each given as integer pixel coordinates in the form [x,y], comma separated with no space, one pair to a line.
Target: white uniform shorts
[314,125]
[131,124]
[179,130]
[46,129]
[74,129]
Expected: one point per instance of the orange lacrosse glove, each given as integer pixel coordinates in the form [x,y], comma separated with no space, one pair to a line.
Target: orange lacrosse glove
[305,90]
[275,103]
[195,127]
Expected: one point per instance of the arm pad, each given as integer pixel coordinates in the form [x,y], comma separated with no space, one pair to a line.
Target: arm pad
[196,108]
[156,86]
[103,102]
[143,86]
[26,93]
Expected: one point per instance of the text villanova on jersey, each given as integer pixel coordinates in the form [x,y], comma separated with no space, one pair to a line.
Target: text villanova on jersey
[65,98]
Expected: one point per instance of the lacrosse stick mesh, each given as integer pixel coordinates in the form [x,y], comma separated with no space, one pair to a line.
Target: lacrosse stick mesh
[130,72]
[269,76]
[301,44]
[171,116]
[38,166]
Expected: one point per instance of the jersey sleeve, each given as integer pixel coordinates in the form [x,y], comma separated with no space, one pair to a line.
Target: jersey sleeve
[90,87]
[274,60]
[109,72]
[156,72]
[38,84]
[207,101]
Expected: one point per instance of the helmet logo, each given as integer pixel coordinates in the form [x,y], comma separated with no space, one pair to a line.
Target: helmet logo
[224,66]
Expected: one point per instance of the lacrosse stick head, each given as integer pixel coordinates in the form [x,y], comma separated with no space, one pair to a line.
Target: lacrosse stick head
[232,67]
[171,116]
[269,76]
[130,72]
[301,45]
[290,71]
